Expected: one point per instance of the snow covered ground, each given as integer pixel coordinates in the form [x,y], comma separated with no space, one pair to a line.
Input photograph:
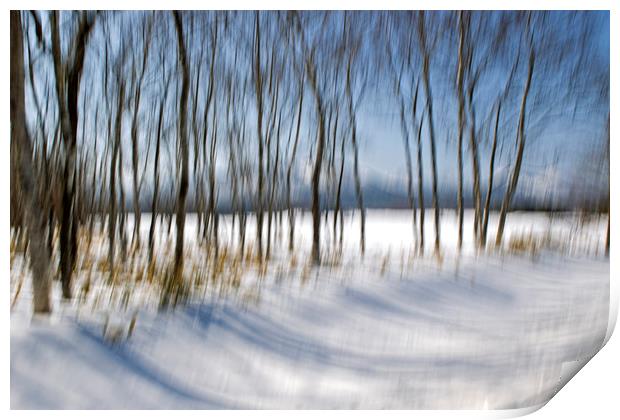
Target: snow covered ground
[389,331]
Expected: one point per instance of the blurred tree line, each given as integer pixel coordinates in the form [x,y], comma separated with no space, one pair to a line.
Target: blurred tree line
[145,108]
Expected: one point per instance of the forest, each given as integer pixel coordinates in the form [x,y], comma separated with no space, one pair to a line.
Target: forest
[167,158]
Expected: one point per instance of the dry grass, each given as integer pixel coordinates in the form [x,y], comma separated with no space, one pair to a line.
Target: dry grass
[103,265]
[13,248]
[333,259]
[229,271]
[524,243]
[305,272]
[18,289]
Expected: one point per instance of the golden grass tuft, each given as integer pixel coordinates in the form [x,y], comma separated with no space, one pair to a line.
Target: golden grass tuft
[524,243]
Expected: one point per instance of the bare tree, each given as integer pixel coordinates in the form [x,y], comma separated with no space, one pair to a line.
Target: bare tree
[39,257]
[155,198]
[514,177]
[318,161]
[183,149]
[420,172]
[461,111]
[356,172]
[608,156]
[398,76]
[68,77]
[309,54]
[258,89]
[487,202]
[114,165]
[422,36]
[289,170]
[146,38]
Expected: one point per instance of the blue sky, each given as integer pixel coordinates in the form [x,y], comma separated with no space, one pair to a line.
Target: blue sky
[560,139]
[559,134]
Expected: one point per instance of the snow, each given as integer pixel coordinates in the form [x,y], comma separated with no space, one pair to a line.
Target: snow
[488,331]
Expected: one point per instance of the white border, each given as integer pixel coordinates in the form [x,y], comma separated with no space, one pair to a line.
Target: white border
[592,393]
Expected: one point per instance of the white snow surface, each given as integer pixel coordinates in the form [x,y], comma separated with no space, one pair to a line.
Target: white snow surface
[477,331]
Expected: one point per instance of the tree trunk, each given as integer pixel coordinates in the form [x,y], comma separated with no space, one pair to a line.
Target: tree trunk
[338,209]
[67,95]
[183,183]
[487,203]
[135,238]
[473,147]
[409,163]
[291,210]
[431,124]
[316,183]
[259,127]
[156,183]
[607,236]
[35,218]
[358,185]
[514,179]
[421,184]
[113,165]
[123,210]
[358,192]
[459,84]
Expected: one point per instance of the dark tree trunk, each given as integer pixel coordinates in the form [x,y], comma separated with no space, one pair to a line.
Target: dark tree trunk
[431,124]
[514,179]
[156,183]
[461,123]
[487,203]
[259,127]
[291,210]
[35,218]
[67,90]
[183,182]
[113,165]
